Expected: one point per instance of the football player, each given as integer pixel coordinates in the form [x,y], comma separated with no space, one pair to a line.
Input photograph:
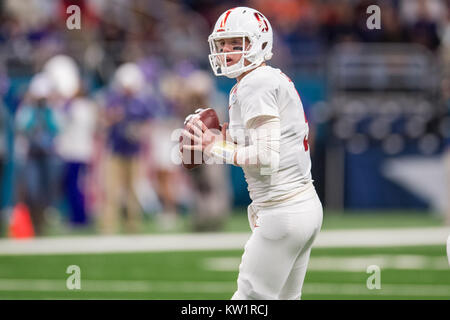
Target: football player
[268,138]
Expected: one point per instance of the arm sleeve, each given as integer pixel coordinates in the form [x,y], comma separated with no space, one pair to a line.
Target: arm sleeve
[265,151]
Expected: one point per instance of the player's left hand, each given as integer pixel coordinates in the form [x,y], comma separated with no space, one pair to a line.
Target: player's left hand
[203,137]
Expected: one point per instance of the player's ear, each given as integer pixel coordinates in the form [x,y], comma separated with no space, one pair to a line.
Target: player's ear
[247,45]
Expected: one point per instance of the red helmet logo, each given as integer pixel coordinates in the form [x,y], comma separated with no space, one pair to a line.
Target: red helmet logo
[263,26]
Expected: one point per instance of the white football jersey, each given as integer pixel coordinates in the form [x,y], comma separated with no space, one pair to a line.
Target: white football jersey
[268,91]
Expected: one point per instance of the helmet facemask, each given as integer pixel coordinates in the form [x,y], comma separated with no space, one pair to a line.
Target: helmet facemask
[218,58]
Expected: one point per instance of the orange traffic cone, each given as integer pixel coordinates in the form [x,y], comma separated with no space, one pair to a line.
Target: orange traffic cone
[21,226]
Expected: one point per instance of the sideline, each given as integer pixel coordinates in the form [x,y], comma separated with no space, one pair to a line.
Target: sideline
[217,241]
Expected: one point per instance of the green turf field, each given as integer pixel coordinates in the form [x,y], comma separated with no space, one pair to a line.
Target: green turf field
[212,275]
[333,273]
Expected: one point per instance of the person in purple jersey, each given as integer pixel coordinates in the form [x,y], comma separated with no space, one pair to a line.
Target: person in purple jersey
[126,115]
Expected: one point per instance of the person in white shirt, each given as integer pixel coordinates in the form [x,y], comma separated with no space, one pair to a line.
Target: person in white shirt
[268,138]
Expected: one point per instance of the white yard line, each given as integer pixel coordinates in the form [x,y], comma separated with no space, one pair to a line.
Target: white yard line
[117,286]
[384,237]
[406,290]
[342,263]
[218,241]
[42,285]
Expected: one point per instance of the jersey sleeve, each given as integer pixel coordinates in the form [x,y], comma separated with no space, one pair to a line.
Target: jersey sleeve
[258,97]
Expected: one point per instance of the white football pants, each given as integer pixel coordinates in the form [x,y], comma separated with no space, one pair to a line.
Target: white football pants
[276,256]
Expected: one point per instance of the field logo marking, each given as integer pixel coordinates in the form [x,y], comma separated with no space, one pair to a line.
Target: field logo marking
[374,281]
[374,20]
[73,282]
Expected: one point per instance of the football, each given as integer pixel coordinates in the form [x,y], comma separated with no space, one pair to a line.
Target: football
[211,120]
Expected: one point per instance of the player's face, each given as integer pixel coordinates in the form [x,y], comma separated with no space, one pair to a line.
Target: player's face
[230,45]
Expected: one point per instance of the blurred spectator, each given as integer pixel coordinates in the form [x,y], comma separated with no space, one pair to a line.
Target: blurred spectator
[410,11]
[424,30]
[392,30]
[37,127]
[162,166]
[211,188]
[185,33]
[3,146]
[338,22]
[74,144]
[126,115]
[445,90]
[166,174]
[447,173]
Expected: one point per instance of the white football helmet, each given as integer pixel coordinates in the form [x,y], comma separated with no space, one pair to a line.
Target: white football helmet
[41,86]
[63,72]
[129,77]
[249,24]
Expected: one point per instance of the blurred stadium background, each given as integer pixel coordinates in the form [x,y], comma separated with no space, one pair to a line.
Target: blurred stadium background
[88,147]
